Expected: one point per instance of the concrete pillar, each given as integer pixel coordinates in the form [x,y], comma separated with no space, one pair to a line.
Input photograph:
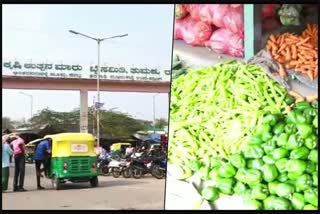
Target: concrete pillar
[83,111]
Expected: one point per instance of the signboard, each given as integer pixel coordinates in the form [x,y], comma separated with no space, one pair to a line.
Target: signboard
[78,71]
[79,148]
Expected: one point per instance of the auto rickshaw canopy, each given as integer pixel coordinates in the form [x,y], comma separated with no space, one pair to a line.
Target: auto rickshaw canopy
[72,144]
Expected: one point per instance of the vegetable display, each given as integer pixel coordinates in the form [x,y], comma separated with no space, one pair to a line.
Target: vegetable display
[219,122]
[242,134]
[299,53]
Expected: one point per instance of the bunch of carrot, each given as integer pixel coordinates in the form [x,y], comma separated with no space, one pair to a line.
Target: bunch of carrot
[299,53]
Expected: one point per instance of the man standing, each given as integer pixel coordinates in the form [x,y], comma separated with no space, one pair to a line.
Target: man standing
[20,163]
[41,154]
[6,154]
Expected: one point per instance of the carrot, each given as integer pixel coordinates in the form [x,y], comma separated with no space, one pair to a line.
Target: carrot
[288,54]
[289,66]
[312,98]
[310,74]
[294,51]
[296,95]
[282,71]
[283,47]
[273,46]
[303,41]
[272,38]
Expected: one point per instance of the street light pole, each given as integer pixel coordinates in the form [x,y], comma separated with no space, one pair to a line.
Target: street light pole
[98,40]
[154,113]
[31,105]
[98,95]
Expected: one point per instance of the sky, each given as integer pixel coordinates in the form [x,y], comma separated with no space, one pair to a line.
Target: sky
[40,32]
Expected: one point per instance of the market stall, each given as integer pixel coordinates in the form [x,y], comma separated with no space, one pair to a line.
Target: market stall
[243,130]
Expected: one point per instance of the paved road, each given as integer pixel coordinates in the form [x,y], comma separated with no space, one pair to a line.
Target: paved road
[112,193]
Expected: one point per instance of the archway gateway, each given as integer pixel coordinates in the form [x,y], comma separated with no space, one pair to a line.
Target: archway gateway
[47,76]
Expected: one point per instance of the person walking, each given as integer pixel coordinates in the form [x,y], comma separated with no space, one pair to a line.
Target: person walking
[6,154]
[41,157]
[19,163]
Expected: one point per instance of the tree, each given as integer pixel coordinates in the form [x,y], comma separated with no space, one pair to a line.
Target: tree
[112,124]
[7,123]
[161,123]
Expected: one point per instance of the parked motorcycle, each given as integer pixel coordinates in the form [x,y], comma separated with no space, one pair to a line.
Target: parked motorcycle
[158,168]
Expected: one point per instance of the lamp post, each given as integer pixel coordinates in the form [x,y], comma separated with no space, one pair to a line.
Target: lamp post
[154,113]
[31,105]
[98,40]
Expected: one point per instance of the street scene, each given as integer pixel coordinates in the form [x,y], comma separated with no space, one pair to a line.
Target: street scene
[112,193]
[85,109]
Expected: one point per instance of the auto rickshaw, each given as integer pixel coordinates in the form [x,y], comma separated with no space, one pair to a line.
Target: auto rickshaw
[72,159]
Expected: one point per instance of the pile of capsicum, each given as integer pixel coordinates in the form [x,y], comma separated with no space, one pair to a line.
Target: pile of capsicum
[278,169]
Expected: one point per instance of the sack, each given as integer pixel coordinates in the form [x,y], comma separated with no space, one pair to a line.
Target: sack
[192,32]
[223,41]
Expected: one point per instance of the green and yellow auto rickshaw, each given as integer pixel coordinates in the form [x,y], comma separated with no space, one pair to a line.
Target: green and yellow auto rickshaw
[72,159]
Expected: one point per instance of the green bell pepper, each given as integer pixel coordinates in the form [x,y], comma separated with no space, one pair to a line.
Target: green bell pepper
[210,193]
[195,165]
[311,167]
[266,136]
[310,207]
[253,151]
[313,155]
[297,167]
[315,179]
[280,153]
[283,177]
[303,182]
[255,163]
[289,100]
[262,128]
[281,165]
[260,192]
[311,196]
[272,187]
[249,176]
[213,174]
[314,104]
[204,173]
[279,128]
[226,170]
[291,117]
[255,139]
[269,172]
[214,162]
[237,160]
[301,119]
[268,159]
[315,122]
[299,153]
[268,147]
[225,185]
[312,141]
[302,105]
[282,139]
[292,142]
[293,176]
[298,201]
[276,203]
[290,128]
[240,188]
[304,130]
[270,119]
[284,190]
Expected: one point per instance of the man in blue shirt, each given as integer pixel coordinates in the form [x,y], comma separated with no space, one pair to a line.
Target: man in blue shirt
[41,151]
[6,154]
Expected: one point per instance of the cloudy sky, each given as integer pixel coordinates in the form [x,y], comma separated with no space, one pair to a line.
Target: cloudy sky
[40,32]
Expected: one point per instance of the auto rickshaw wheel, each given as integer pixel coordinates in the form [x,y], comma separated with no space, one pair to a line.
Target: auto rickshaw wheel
[94,182]
[56,183]
[116,172]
